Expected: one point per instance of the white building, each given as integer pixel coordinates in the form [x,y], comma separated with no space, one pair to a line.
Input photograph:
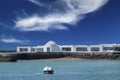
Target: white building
[51,46]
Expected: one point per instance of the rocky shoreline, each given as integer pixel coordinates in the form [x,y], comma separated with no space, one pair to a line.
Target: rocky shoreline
[8,57]
[14,56]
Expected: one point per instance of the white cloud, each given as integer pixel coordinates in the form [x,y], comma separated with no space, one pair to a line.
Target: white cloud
[13,40]
[75,10]
[37,2]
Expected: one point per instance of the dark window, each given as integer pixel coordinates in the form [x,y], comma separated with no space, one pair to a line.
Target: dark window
[39,49]
[95,49]
[107,48]
[81,49]
[66,49]
[23,49]
[33,49]
[116,48]
[48,49]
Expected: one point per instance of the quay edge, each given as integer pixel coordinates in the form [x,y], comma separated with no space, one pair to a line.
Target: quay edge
[14,56]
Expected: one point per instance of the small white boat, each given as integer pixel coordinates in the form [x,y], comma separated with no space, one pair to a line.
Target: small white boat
[48,70]
[39,74]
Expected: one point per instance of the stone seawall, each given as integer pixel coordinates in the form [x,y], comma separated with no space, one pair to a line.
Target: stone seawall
[8,57]
[41,55]
[51,55]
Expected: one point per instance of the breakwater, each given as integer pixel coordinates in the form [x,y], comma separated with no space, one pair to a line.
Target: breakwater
[8,57]
[50,55]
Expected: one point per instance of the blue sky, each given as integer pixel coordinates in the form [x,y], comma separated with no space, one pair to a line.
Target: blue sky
[34,22]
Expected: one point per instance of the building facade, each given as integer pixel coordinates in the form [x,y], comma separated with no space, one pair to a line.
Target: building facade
[51,46]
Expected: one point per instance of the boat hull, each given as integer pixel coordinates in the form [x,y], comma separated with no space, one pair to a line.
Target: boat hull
[48,72]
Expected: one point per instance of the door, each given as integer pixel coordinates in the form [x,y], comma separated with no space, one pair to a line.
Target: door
[48,49]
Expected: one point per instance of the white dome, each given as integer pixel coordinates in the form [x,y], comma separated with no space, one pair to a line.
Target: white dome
[49,43]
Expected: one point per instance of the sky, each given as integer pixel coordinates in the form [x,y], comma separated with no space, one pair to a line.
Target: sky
[77,22]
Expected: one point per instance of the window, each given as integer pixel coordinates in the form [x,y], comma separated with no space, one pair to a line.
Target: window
[66,49]
[107,48]
[33,49]
[48,49]
[23,49]
[116,48]
[81,49]
[95,48]
[39,49]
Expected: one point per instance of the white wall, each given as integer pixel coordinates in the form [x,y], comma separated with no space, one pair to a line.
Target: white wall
[18,49]
[55,48]
[58,48]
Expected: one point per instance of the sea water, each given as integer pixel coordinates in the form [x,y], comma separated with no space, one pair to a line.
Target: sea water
[63,70]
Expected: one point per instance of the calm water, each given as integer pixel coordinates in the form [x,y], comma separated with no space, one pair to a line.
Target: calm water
[64,70]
